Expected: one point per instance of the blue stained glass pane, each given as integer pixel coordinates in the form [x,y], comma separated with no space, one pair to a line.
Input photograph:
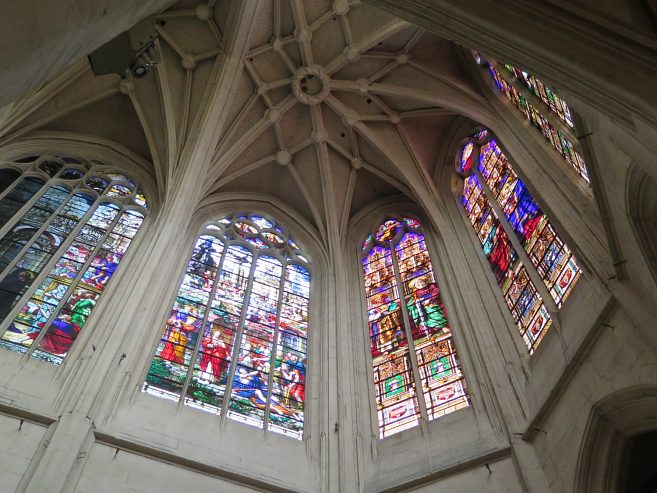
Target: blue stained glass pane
[59,306]
[397,392]
[254,312]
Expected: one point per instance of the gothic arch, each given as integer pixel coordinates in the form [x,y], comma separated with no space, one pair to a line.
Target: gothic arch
[212,208]
[89,147]
[470,336]
[224,203]
[63,242]
[641,197]
[520,36]
[613,422]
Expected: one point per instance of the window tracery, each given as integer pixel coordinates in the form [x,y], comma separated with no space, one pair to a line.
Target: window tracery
[530,260]
[417,373]
[67,225]
[238,327]
[546,99]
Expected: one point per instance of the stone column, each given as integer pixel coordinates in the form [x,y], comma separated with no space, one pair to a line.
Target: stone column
[66,450]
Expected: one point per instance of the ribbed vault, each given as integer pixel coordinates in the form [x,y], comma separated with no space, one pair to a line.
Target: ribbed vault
[332,105]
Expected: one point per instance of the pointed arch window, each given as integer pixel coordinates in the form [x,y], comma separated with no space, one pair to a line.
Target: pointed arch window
[417,373]
[235,342]
[541,106]
[67,224]
[533,266]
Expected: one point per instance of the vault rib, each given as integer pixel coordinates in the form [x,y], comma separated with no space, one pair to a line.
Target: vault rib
[337,148]
[384,71]
[268,86]
[63,111]
[176,14]
[259,50]
[346,30]
[346,210]
[222,158]
[342,60]
[206,55]
[238,119]
[216,33]
[321,20]
[414,40]
[287,61]
[302,33]
[325,173]
[169,116]
[427,112]
[148,131]
[382,106]
[247,168]
[164,34]
[187,104]
[277,19]
[306,195]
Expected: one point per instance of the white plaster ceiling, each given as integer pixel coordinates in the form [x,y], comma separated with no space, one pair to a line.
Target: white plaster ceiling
[334,104]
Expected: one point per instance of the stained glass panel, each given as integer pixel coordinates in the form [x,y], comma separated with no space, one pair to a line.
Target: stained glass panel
[547,95]
[558,140]
[466,157]
[520,294]
[252,303]
[65,247]
[400,254]
[549,254]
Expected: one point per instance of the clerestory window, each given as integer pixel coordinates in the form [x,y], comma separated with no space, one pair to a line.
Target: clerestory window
[417,373]
[66,225]
[541,106]
[235,341]
[533,266]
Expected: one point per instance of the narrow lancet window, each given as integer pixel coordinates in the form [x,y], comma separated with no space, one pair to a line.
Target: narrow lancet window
[235,341]
[530,260]
[537,102]
[67,224]
[417,373]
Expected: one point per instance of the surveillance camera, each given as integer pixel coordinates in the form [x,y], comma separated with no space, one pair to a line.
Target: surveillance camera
[133,50]
[140,71]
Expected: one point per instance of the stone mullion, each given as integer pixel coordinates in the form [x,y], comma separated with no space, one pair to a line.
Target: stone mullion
[519,33]
[201,331]
[409,338]
[13,184]
[24,174]
[20,214]
[238,339]
[158,244]
[537,103]
[79,275]
[272,358]
[158,257]
[524,257]
[45,271]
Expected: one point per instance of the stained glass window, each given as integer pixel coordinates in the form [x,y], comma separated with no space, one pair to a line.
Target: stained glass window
[65,231]
[548,100]
[544,93]
[543,250]
[235,341]
[417,373]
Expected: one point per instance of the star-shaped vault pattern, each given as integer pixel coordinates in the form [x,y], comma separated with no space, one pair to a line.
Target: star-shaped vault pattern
[327,106]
